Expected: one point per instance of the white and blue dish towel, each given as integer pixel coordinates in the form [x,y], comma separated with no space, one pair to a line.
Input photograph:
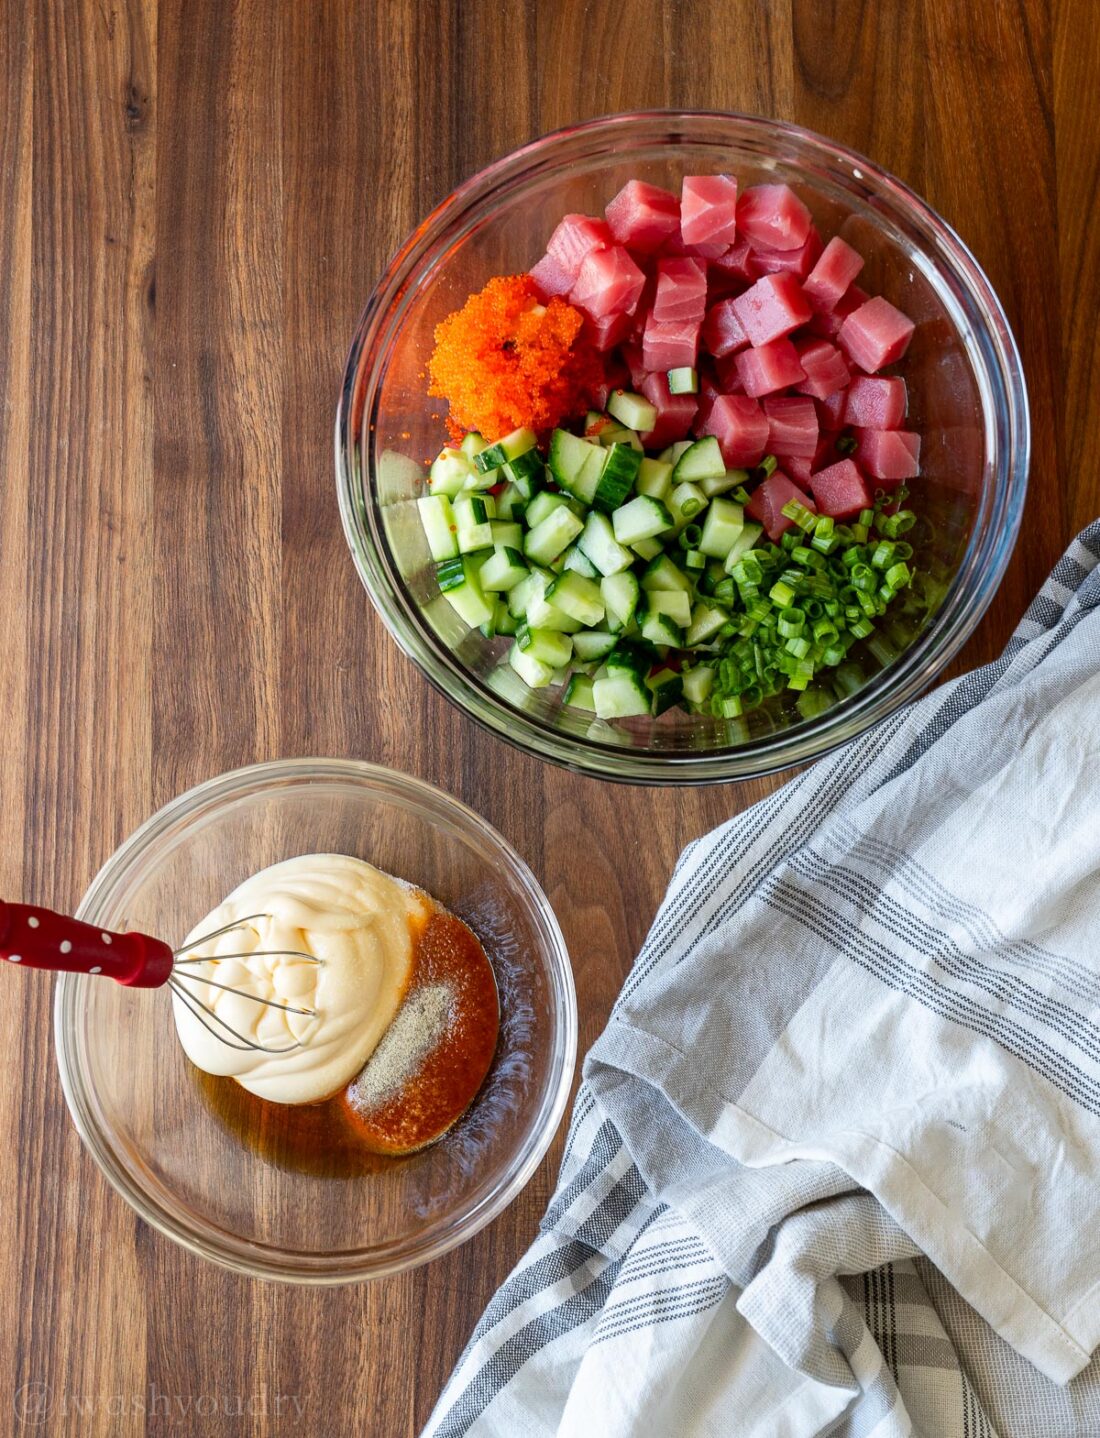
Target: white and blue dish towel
[835,1164]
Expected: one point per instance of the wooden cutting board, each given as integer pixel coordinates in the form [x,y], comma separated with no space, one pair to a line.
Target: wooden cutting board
[196,197]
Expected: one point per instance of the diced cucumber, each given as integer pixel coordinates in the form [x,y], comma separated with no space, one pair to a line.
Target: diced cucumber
[599,544]
[552,536]
[663,574]
[701,460]
[578,694]
[532,671]
[674,451]
[459,583]
[730,480]
[683,380]
[620,696]
[617,479]
[698,683]
[642,518]
[503,570]
[667,689]
[592,644]
[620,596]
[474,509]
[648,549]
[577,560]
[685,503]
[706,620]
[525,467]
[542,506]
[632,410]
[521,597]
[576,464]
[659,629]
[578,597]
[546,645]
[721,528]
[654,478]
[511,505]
[634,658]
[473,444]
[450,470]
[613,433]
[673,602]
[506,535]
[474,537]
[510,447]
[500,623]
[440,530]
[748,539]
[540,613]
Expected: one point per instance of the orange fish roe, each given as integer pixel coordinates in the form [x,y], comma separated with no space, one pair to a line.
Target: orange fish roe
[504,361]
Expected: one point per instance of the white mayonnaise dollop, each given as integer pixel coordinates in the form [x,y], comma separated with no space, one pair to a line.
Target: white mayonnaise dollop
[357,920]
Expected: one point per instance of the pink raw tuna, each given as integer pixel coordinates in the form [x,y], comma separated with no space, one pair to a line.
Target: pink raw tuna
[575,237]
[732,268]
[773,217]
[608,283]
[723,332]
[876,334]
[796,262]
[792,425]
[675,412]
[740,427]
[608,331]
[769,368]
[889,455]
[670,346]
[702,413]
[825,454]
[767,500]
[875,403]
[675,248]
[832,274]
[632,358]
[643,216]
[708,210]
[773,307]
[830,410]
[826,368]
[681,291]
[797,468]
[550,279]
[827,323]
[841,491]
[729,381]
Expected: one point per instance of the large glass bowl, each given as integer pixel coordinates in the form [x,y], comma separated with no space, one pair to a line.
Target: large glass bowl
[967,399]
[182,1162]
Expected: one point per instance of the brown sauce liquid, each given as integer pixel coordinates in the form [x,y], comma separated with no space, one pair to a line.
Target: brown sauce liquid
[333,1139]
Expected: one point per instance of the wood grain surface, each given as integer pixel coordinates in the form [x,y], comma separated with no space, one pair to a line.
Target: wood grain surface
[196,196]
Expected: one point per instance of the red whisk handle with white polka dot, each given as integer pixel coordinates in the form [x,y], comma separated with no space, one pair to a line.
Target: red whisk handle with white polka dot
[41,939]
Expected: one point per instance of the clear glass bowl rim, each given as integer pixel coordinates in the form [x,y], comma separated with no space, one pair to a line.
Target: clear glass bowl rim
[996,525]
[240,1255]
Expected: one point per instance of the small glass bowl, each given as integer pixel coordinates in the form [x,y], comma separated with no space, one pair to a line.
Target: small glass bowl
[967,399]
[138,1103]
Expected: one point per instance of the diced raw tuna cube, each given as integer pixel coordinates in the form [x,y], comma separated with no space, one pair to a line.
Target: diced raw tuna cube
[740,427]
[826,368]
[832,274]
[608,331]
[608,283]
[670,346]
[675,412]
[796,262]
[729,381]
[643,216]
[797,467]
[767,500]
[876,334]
[702,413]
[875,403]
[723,332]
[675,248]
[575,237]
[792,425]
[550,278]
[769,367]
[827,323]
[841,491]
[632,358]
[825,454]
[732,268]
[708,210]
[889,455]
[681,291]
[771,308]
[773,216]
[830,410]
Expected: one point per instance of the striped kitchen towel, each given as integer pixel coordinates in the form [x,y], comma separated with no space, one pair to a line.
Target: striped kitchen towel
[835,1164]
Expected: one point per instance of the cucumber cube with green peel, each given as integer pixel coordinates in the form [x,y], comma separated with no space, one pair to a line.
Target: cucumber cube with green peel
[632,410]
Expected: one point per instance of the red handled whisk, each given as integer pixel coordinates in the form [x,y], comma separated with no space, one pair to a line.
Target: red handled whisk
[42,939]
